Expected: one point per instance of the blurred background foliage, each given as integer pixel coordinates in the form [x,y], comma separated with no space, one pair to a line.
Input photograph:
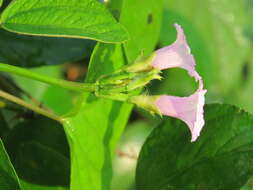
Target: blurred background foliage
[220,34]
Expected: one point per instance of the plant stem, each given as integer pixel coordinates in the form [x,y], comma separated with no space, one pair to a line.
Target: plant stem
[75,86]
[34,108]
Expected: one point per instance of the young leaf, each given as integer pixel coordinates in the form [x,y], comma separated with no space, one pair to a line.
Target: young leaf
[220,159]
[63,18]
[8,179]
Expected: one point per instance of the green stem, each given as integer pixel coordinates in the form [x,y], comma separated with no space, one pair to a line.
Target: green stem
[81,87]
[34,108]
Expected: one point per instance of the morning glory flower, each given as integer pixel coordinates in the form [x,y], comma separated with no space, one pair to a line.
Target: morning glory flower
[188,109]
[176,55]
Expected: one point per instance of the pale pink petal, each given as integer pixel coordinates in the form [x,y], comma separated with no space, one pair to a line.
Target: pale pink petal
[176,55]
[188,109]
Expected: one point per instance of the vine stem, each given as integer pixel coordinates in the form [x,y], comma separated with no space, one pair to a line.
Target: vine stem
[34,108]
[75,86]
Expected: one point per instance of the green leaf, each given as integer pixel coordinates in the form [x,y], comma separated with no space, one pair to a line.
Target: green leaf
[87,19]
[144,31]
[39,152]
[31,51]
[42,165]
[220,159]
[59,99]
[95,130]
[8,177]
[1,2]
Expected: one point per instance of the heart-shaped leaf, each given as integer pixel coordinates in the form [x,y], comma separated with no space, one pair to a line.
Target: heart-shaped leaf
[220,159]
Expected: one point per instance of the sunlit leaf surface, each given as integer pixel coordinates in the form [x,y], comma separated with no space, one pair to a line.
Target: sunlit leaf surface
[221,158]
[63,18]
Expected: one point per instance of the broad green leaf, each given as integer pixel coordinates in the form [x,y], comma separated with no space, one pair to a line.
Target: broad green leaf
[145,28]
[34,51]
[220,159]
[87,19]
[39,152]
[95,130]
[59,99]
[42,165]
[215,31]
[1,2]
[8,179]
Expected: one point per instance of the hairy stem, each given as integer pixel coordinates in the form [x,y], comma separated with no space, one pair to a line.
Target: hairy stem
[81,87]
[34,108]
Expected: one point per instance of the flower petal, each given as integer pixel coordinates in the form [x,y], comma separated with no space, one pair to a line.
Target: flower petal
[188,109]
[176,55]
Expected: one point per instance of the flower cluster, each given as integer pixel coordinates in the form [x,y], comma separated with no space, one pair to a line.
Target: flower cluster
[118,85]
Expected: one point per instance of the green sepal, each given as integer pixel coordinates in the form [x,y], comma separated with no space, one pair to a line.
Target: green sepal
[117,78]
[142,64]
[123,81]
[142,79]
[146,102]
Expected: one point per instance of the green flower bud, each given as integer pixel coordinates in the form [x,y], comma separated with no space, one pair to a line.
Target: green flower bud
[142,79]
[142,64]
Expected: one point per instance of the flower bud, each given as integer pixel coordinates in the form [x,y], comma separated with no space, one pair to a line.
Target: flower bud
[142,64]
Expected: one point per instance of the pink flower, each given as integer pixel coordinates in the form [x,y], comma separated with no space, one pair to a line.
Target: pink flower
[188,109]
[176,55]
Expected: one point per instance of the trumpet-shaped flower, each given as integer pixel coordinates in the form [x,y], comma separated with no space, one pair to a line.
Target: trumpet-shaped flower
[176,55]
[188,109]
